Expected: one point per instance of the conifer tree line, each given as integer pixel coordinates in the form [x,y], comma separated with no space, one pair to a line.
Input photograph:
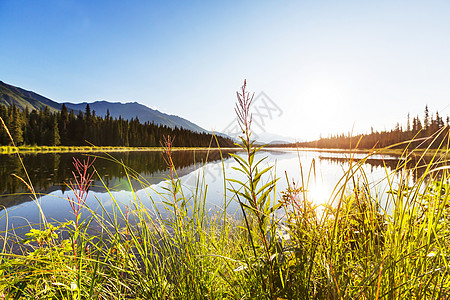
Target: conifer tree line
[431,131]
[42,127]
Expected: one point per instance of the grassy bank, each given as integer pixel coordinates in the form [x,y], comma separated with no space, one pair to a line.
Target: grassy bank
[87,149]
[364,243]
[355,246]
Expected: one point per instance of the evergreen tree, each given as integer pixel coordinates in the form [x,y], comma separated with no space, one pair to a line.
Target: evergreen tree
[426,119]
[45,128]
[63,124]
[53,138]
[34,133]
[88,124]
[408,126]
[4,139]
[87,112]
[16,126]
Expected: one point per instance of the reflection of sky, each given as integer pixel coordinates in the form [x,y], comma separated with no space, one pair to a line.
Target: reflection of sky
[323,176]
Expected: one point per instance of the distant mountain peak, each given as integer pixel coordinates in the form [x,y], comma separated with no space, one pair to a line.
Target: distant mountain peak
[22,98]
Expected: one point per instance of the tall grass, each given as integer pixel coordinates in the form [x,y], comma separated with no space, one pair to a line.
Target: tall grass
[364,243]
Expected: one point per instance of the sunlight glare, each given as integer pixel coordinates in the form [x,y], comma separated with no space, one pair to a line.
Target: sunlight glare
[318,193]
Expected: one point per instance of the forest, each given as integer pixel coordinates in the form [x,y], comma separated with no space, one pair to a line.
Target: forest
[44,128]
[431,132]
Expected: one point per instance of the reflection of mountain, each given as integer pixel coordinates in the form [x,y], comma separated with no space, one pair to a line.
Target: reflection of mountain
[51,172]
[142,181]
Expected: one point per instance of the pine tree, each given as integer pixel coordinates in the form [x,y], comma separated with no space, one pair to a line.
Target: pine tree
[53,138]
[63,124]
[16,126]
[408,126]
[4,139]
[45,128]
[88,125]
[426,119]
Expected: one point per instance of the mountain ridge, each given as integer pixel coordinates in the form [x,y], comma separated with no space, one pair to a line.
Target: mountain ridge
[131,110]
[23,99]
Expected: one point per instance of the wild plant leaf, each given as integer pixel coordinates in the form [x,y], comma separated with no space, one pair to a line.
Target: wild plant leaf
[270,184]
[255,183]
[238,158]
[260,173]
[236,181]
[261,200]
[246,196]
[260,161]
[259,148]
[251,209]
[244,168]
[251,157]
[240,170]
[250,145]
[274,208]
[168,203]
[166,189]
[244,143]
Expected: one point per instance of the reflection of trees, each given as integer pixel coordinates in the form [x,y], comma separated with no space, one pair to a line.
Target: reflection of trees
[50,172]
[414,163]
[391,164]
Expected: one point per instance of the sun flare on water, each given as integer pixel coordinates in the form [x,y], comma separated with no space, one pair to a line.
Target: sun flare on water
[319,193]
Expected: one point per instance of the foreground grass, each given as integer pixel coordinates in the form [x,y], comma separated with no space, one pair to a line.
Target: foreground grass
[357,246]
[364,243]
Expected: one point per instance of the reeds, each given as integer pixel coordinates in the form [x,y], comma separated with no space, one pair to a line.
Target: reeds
[364,243]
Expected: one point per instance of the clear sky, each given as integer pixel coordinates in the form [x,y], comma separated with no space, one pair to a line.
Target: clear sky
[330,66]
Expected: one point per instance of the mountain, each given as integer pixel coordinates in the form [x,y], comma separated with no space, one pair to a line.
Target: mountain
[268,138]
[10,94]
[132,110]
[274,138]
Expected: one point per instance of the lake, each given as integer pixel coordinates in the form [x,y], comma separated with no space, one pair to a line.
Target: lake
[50,174]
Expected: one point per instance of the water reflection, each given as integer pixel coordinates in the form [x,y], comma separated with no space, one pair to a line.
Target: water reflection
[416,163]
[50,172]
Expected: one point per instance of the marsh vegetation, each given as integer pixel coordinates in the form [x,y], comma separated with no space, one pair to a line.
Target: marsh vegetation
[364,242]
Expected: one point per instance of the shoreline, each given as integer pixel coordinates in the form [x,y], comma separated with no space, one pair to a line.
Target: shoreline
[92,149]
[78,149]
[386,151]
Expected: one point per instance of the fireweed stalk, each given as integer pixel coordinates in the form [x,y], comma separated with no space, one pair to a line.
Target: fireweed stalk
[167,145]
[80,188]
[256,204]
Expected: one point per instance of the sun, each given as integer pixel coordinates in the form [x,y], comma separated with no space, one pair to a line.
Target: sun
[318,192]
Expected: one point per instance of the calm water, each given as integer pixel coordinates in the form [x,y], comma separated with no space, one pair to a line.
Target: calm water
[49,174]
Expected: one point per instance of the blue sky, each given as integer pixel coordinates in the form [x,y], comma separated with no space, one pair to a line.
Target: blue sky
[330,67]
